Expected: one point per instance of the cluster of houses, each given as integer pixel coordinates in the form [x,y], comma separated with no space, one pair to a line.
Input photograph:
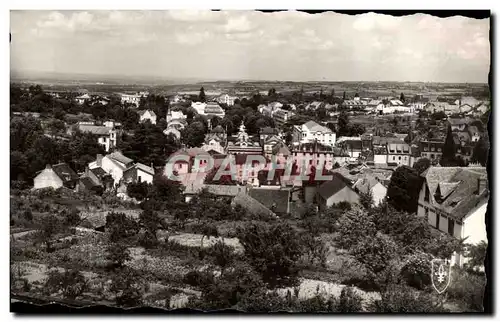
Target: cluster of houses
[452,199]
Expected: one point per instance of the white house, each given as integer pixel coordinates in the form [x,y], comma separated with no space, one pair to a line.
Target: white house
[139,173]
[226,99]
[131,99]
[56,176]
[106,136]
[398,153]
[175,115]
[82,99]
[113,164]
[454,200]
[370,183]
[311,131]
[147,115]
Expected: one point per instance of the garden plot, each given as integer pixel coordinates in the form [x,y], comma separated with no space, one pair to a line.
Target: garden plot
[194,240]
[35,272]
[309,288]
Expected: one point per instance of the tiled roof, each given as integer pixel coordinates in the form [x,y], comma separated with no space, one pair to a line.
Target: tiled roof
[98,172]
[145,168]
[268,130]
[64,172]
[366,183]
[251,205]
[88,183]
[117,156]
[152,113]
[330,188]
[272,198]
[458,187]
[94,129]
[281,149]
[315,127]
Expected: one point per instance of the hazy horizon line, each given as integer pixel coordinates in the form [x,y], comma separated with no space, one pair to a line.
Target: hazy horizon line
[51,75]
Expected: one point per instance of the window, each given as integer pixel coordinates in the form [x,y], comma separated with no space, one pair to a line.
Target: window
[437,221]
[139,179]
[439,149]
[427,193]
[399,158]
[310,162]
[432,155]
[393,158]
[451,226]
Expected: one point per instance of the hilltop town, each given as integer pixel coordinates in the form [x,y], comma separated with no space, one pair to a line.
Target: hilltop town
[96,216]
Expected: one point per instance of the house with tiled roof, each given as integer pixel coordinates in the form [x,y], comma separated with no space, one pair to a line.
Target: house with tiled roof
[106,136]
[113,164]
[80,100]
[454,200]
[215,140]
[252,206]
[147,115]
[139,172]
[313,132]
[370,183]
[56,176]
[277,200]
[398,153]
[335,191]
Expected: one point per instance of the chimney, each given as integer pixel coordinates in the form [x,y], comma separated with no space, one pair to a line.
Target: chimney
[48,166]
[481,185]
[99,160]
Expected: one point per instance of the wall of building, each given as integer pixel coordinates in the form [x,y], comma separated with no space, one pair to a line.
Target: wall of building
[145,177]
[474,226]
[345,194]
[379,158]
[379,192]
[47,178]
[443,223]
[112,168]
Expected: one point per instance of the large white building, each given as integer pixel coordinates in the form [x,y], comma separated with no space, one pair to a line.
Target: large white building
[208,109]
[454,200]
[311,131]
[131,99]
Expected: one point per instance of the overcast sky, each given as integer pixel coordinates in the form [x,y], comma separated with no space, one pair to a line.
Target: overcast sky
[252,45]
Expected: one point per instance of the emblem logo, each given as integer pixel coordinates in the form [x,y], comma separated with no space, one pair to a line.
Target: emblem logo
[440,274]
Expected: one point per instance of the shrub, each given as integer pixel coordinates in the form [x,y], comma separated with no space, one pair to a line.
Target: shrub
[120,226]
[118,254]
[402,299]
[353,227]
[417,271]
[126,288]
[222,254]
[349,301]
[272,250]
[198,279]
[71,283]
[467,288]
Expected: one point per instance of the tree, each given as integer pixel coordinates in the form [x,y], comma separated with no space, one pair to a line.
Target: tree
[421,165]
[343,96]
[402,98]
[71,283]
[448,159]
[193,135]
[150,221]
[366,199]
[138,190]
[120,226]
[125,287]
[222,254]
[50,226]
[118,254]
[404,189]
[343,123]
[273,251]
[376,254]
[354,226]
[476,255]
[201,96]
[481,151]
